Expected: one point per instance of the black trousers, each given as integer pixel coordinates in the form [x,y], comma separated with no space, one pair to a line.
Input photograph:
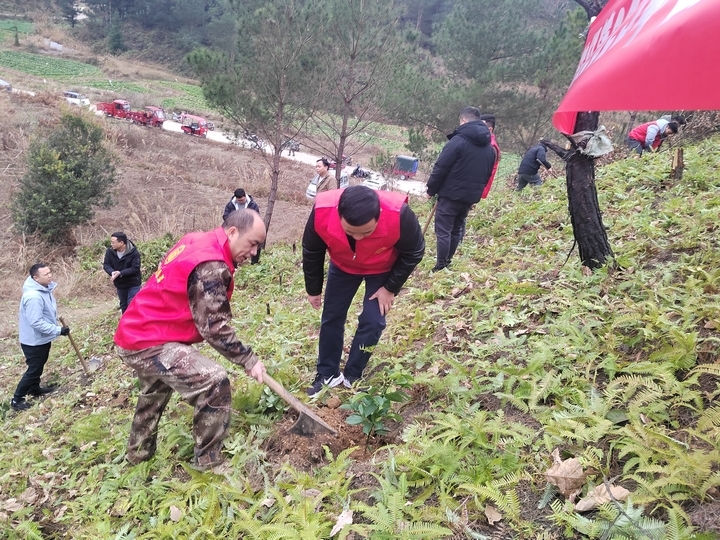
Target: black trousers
[36,356]
[339,293]
[449,228]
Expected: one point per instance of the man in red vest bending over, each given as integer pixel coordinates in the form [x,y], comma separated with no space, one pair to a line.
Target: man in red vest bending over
[373,237]
[650,135]
[187,301]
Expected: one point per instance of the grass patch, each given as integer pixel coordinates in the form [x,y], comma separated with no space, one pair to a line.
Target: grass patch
[8,27]
[46,66]
[116,86]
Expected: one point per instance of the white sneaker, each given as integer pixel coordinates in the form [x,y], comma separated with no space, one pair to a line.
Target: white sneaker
[320,381]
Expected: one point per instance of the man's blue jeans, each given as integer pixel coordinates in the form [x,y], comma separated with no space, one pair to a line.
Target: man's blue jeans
[126,296]
[340,290]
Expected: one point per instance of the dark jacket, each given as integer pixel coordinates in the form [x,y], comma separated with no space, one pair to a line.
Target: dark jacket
[129,266]
[532,159]
[410,247]
[230,207]
[464,165]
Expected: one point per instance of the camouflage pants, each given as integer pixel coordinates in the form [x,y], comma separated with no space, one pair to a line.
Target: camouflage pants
[200,381]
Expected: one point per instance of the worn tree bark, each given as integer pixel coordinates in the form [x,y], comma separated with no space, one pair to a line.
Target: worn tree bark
[585,215]
[583,205]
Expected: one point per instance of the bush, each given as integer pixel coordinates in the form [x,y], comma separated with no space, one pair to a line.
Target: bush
[69,173]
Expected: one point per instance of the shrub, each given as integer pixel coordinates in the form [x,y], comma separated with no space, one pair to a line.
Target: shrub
[69,174]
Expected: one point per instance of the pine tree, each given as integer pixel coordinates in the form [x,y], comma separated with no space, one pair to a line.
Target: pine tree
[69,173]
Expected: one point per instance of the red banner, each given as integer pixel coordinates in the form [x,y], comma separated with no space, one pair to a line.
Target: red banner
[647,55]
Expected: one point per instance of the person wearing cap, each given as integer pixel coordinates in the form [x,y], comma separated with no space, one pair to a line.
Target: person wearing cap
[243,200]
[650,135]
[122,263]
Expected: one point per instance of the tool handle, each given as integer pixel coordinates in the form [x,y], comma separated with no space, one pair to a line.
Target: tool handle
[77,351]
[287,397]
[427,223]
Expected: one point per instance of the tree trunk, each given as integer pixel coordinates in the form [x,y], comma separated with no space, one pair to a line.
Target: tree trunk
[583,204]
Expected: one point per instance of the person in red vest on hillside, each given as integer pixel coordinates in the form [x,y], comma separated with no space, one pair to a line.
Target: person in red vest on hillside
[650,135]
[370,236]
[186,301]
[489,120]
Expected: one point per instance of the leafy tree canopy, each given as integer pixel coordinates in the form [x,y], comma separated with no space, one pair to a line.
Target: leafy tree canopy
[69,174]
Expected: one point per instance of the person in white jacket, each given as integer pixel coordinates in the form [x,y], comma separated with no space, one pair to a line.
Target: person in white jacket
[38,329]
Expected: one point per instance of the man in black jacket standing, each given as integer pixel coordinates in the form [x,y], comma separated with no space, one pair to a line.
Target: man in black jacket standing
[122,263]
[243,200]
[529,170]
[458,178]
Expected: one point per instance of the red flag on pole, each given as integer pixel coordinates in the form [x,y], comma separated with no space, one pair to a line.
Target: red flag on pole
[647,55]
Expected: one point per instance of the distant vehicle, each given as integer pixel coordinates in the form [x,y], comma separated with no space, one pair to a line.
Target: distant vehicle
[150,116]
[118,108]
[256,141]
[211,126]
[312,187]
[291,145]
[194,125]
[76,98]
[377,183]
[5,86]
[359,172]
[177,117]
[346,160]
[405,167]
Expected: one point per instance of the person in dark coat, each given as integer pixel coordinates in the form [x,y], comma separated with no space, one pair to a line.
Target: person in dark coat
[122,263]
[459,177]
[528,172]
[243,200]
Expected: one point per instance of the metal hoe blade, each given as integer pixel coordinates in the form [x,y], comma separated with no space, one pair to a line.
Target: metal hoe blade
[309,423]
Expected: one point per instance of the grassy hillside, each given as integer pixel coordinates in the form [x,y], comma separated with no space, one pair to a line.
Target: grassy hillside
[505,358]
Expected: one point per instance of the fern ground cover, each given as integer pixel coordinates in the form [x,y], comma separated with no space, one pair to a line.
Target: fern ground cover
[512,355]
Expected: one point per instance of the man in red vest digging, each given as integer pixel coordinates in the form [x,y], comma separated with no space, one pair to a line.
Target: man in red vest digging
[370,236]
[650,135]
[188,301]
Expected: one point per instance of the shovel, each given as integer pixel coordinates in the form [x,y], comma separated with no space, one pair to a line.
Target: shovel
[88,367]
[432,213]
[309,423]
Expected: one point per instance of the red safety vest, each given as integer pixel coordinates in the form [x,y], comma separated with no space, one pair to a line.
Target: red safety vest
[494,144]
[374,254]
[640,134]
[160,312]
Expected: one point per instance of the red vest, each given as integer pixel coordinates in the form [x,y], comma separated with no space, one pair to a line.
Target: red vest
[160,312]
[640,134]
[494,144]
[374,254]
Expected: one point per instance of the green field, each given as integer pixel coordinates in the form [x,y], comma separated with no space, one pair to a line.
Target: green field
[117,86]
[44,66]
[8,28]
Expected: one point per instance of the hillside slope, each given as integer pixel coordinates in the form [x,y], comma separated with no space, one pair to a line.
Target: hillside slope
[504,358]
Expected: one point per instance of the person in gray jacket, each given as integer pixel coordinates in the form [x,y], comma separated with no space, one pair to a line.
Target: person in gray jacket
[38,328]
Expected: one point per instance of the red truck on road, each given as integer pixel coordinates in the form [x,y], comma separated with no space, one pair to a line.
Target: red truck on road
[118,108]
[150,116]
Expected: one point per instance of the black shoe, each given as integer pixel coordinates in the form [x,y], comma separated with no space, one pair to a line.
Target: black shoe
[321,380]
[42,390]
[19,404]
[437,268]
